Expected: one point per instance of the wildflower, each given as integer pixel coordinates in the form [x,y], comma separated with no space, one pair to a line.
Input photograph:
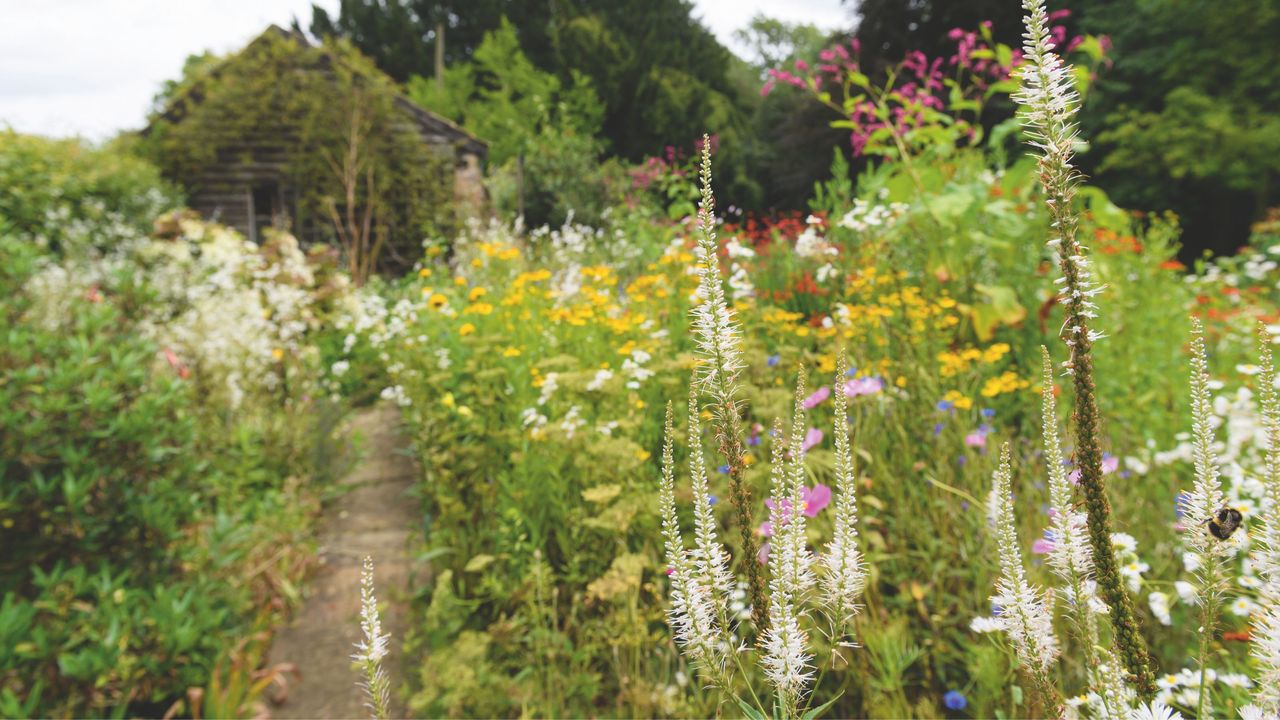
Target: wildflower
[693,614]
[955,700]
[719,344]
[372,648]
[985,624]
[863,386]
[818,397]
[1048,105]
[1159,604]
[1265,647]
[975,440]
[1155,710]
[1025,617]
[845,576]
[511,352]
[814,500]
[466,329]
[812,438]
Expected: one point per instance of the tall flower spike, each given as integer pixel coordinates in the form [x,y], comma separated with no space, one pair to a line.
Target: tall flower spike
[1048,104]
[692,615]
[720,362]
[1199,506]
[797,561]
[1024,614]
[710,559]
[1266,555]
[372,648]
[786,659]
[845,576]
[1069,556]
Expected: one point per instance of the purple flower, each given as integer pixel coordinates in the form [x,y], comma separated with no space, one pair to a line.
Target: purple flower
[1109,463]
[765,529]
[773,360]
[1074,477]
[937,429]
[1042,546]
[811,438]
[863,386]
[815,499]
[818,397]
[762,555]
[954,700]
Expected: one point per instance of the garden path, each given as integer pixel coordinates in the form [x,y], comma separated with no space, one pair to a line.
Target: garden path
[374,517]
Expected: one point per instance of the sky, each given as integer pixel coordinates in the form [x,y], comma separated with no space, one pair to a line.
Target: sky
[92,67]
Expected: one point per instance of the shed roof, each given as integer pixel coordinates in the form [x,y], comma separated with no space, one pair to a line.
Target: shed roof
[431,124]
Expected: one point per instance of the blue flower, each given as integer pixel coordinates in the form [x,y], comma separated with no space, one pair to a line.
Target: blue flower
[773,360]
[988,413]
[724,469]
[712,499]
[945,405]
[954,700]
[754,440]
[937,429]
[851,372]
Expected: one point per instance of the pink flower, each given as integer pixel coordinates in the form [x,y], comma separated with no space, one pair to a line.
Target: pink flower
[811,438]
[762,555]
[815,499]
[976,439]
[765,529]
[1074,477]
[863,386]
[817,398]
[1042,546]
[1110,463]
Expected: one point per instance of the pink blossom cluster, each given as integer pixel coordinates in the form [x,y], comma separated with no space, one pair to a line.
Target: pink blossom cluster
[918,94]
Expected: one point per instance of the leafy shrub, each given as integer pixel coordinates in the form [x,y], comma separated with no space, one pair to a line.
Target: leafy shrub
[65,193]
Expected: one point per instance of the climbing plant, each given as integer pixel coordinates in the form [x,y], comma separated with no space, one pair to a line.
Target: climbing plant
[344,139]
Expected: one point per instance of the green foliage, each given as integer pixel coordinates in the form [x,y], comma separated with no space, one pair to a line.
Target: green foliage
[144,520]
[542,131]
[337,106]
[1185,119]
[56,189]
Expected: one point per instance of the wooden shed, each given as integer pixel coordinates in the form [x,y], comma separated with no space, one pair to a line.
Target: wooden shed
[250,178]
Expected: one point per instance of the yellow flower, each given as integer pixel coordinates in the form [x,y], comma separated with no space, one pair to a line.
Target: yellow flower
[802,331]
[511,351]
[437,301]
[466,329]
[627,348]
[476,293]
[424,272]
[638,404]
[826,364]
[477,262]
[995,352]
[464,411]
[277,353]
[642,455]
[459,280]
[480,308]
[427,290]
[447,400]
[958,399]
[434,250]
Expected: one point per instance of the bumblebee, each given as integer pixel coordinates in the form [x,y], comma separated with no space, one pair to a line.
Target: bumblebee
[1224,522]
